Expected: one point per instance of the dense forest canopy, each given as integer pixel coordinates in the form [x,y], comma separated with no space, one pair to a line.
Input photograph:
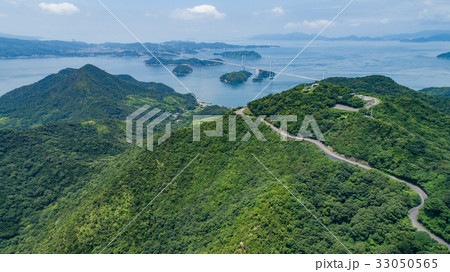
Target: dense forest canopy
[69,183]
[407,137]
[223,203]
[437,92]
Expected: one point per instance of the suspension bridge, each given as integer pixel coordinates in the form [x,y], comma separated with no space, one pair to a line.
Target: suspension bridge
[243,65]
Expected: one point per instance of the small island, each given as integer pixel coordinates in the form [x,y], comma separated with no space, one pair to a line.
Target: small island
[182,70]
[265,74]
[444,56]
[239,54]
[190,61]
[262,74]
[236,77]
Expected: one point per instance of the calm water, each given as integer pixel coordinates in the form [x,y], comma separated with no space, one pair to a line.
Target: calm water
[411,64]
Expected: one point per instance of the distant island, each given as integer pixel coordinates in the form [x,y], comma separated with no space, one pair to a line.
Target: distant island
[16,47]
[422,36]
[239,54]
[444,56]
[190,61]
[182,70]
[265,74]
[262,74]
[236,77]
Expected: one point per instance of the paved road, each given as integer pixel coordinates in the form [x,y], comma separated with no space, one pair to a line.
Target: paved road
[413,213]
[372,101]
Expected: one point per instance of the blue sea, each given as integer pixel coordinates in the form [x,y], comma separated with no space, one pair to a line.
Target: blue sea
[411,64]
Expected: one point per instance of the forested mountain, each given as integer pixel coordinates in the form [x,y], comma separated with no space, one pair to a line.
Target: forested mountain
[85,94]
[407,137]
[225,202]
[437,92]
[39,166]
[386,86]
[71,184]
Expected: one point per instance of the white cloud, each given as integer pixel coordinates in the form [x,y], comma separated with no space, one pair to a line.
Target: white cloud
[276,11]
[59,8]
[306,23]
[435,11]
[291,25]
[3,15]
[316,24]
[385,21]
[441,14]
[198,12]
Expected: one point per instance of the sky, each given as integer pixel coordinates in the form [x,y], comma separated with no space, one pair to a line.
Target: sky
[211,20]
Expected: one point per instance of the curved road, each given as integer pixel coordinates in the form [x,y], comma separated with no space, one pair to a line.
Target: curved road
[413,213]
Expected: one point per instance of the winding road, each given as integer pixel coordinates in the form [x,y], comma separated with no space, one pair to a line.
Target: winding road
[413,213]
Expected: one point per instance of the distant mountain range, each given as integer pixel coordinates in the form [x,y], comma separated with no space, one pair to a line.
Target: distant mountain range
[12,36]
[27,47]
[423,36]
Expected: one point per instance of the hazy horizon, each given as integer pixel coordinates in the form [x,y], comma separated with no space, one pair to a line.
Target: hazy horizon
[89,21]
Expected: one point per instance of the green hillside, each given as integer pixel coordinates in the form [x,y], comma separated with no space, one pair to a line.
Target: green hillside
[225,202]
[407,136]
[39,166]
[85,94]
[437,92]
[386,86]
[72,184]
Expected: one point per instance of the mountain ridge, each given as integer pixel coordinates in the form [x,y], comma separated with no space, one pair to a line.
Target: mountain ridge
[85,93]
[71,185]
